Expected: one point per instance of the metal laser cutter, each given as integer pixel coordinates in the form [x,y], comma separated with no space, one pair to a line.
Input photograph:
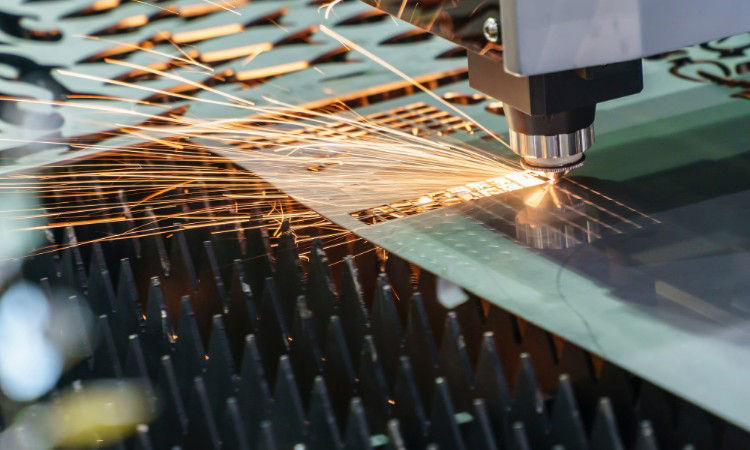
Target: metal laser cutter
[551,62]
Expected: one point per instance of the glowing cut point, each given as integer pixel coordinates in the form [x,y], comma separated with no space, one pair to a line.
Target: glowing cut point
[451,196]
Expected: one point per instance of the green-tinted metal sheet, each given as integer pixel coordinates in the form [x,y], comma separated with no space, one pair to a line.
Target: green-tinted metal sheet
[663,289]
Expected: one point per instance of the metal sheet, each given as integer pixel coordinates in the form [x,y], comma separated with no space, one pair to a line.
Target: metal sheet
[658,286]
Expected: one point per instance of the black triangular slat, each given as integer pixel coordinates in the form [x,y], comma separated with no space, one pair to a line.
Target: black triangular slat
[357,431]
[386,328]
[182,278]
[436,312]
[266,437]
[242,314]
[229,246]
[288,275]
[566,426]
[233,434]
[189,355]
[367,260]
[373,387]
[153,259]
[455,364]
[125,248]
[287,413]
[304,354]
[157,331]
[259,259]
[507,336]
[210,299]
[395,439]
[221,381]
[273,334]
[653,406]
[444,430]
[577,364]
[408,406]
[156,241]
[142,438]
[604,434]
[357,323]
[195,237]
[421,348]
[135,363]
[106,362]
[253,395]
[212,265]
[338,369]
[519,440]
[320,291]
[101,293]
[72,268]
[171,424]
[491,386]
[202,431]
[528,404]
[615,384]
[400,278]
[472,323]
[645,437]
[480,435]
[128,316]
[323,431]
[538,344]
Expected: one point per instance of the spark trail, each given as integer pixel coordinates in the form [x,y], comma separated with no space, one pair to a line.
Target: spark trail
[170,172]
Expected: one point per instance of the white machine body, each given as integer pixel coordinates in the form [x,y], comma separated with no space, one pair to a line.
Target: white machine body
[544,36]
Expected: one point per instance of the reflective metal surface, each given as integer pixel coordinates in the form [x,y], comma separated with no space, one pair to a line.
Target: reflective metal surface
[660,286]
[647,267]
[561,152]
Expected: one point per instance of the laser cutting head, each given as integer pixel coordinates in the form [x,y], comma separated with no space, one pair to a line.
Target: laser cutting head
[550,63]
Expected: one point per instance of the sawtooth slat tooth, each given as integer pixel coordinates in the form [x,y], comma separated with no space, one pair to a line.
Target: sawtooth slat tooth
[386,328]
[323,430]
[408,408]
[455,365]
[373,387]
[304,354]
[233,432]
[338,369]
[254,393]
[287,413]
